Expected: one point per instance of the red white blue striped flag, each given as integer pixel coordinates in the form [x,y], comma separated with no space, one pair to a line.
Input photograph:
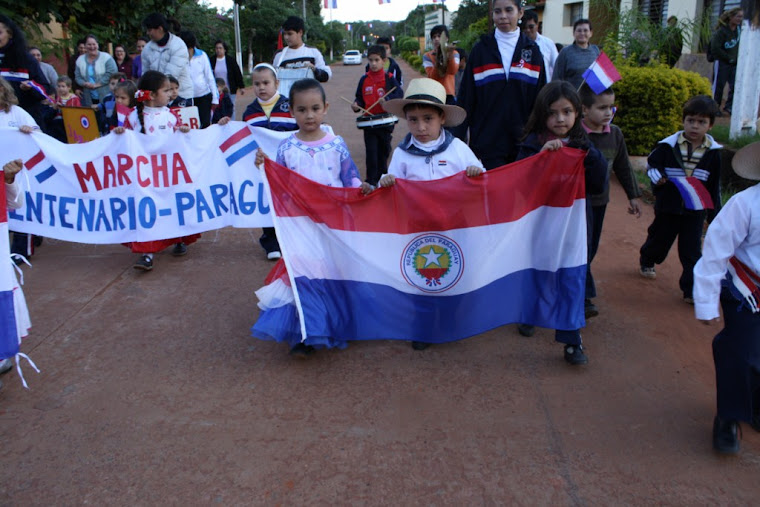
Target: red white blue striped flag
[442,264]
[601,74]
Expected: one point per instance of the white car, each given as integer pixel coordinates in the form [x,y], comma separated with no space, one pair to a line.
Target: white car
[352,57]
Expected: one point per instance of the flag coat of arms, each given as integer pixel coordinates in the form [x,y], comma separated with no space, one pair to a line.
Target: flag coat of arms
[432,261]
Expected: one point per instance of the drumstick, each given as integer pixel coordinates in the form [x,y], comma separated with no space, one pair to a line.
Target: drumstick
[357,105]
[381,98]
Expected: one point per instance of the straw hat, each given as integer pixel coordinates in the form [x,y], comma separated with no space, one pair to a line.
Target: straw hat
[746,162]
[428,92]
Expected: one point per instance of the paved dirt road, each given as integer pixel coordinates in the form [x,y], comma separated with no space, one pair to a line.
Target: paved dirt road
[152,392]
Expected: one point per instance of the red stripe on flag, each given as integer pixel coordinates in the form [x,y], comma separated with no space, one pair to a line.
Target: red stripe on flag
[609,68]
[501,195]
[240,134]
[702,192]
[34,160]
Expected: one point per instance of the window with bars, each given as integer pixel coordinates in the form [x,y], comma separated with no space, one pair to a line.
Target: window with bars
[573,12]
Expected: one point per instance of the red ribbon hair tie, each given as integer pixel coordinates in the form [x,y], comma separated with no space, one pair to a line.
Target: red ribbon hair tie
[142,95]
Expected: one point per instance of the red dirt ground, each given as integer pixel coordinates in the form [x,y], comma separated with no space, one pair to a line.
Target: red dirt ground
[153,392]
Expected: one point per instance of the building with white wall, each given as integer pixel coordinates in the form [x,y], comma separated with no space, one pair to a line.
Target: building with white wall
[558,16]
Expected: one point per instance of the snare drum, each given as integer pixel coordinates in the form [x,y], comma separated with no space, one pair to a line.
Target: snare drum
[376,120]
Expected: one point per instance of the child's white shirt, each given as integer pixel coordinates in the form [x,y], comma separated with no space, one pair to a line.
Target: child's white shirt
[158,120]
[16,118]
[734,232]
[454,159]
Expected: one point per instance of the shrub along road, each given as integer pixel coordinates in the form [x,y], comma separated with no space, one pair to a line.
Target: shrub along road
[152,391]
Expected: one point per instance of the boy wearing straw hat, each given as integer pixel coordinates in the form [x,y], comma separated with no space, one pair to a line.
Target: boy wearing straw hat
[428,152]
[729,272]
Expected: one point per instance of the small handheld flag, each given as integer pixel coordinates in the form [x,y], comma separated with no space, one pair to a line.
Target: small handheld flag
[601,74]
[41,90]
[695,195]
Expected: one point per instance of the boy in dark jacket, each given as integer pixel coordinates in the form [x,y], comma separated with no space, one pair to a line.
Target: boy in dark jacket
[373,89]
[685,173]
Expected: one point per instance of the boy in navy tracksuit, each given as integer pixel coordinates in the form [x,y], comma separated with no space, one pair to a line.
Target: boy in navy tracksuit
[691,152]
[372,89]
[498,104]
[269,110]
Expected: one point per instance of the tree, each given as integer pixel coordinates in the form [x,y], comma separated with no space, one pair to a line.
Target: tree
[469,12]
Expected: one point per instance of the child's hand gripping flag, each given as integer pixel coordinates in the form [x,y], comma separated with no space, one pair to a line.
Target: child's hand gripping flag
[601,74]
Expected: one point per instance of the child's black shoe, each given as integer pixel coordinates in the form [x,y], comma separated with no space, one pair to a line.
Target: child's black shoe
[574,355]
[726,436]
[301,350]
[179,249]
[144,263]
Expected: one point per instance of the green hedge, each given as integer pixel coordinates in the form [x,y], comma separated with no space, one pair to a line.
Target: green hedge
[414,60]
[650,100]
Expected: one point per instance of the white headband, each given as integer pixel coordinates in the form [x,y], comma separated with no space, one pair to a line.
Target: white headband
[266,66]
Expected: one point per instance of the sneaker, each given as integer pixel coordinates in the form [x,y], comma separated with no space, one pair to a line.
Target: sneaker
[647,272]
[179,249]
[574,354]
[590,309]
[727,110]
[301,350]
[688,300]
[273,256]
[726,436]
[526,330]
[420,345]
[144,263]
[6,365]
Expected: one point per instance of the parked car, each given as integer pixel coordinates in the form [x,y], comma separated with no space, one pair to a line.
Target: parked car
[352,57]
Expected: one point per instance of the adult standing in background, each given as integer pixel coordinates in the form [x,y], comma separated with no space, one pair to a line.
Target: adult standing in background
[123,60]
[724,46]
[504,74]
[547,46]
[93,71]
[672,42]
[226,67]
[47,70]
[166,53]
[205,92]
[72,67]
[574,59]
[137,60]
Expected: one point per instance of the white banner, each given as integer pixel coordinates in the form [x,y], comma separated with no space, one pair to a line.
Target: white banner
[135,187]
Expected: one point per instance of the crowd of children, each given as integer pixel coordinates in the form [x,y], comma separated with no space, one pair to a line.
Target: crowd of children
[513,116]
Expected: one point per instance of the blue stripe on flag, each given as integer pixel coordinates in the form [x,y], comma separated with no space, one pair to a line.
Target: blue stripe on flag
[349,310]
[47,173]
[594,82]
[8,332]
[242,152]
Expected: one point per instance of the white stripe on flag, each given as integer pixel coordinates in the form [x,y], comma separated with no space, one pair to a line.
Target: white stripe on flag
[384,251]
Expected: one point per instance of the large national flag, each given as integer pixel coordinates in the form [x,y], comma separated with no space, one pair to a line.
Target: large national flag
[14,317]
[440,260]
[331,4]
[601,74]
[8,328]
